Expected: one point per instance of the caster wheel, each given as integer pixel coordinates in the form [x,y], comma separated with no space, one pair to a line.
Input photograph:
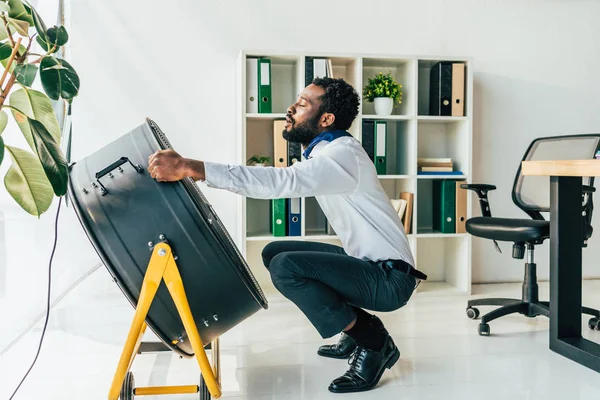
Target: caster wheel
[472,313]
[203,390]
[483,330]
[128,387]
[594,324]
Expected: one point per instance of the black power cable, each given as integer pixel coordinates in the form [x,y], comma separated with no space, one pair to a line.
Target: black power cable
[48,301]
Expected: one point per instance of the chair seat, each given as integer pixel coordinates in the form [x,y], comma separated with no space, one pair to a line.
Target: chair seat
[508,229]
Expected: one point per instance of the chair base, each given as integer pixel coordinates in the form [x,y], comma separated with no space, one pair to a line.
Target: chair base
[527,308]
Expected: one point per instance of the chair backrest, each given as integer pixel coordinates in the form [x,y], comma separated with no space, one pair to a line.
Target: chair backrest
[532,193]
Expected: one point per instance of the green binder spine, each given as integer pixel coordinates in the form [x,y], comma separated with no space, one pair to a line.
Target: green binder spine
[380,147]
[278,217]
[264,86]
[444,205]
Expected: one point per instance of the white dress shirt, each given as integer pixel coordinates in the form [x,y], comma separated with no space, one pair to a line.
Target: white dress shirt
[343,179]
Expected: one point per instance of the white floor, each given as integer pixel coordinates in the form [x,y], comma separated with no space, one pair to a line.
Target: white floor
[272,355]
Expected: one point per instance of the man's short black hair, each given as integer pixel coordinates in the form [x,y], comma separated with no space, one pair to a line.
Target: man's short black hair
[340,99]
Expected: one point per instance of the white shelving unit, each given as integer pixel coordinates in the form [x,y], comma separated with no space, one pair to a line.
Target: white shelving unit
[412,134]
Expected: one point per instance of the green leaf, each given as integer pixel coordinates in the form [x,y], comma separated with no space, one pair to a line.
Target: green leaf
[27,183]
[26,73]
[5,50]
[52,158]
[4,7]
[22,27]
[59,79]
[22,50]
[35,105]
[3,121]
[1,150]
[18,11]
[41,42]
[58,35]
[40,26]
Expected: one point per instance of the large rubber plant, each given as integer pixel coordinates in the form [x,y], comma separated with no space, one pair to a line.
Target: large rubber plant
[39,173]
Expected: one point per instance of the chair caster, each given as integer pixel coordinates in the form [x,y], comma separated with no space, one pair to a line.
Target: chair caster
[128,387]
[472,313]
[594,324]
[203,390]
[483,329]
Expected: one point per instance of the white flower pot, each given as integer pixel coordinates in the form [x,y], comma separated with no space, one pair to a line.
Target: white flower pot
[383,105]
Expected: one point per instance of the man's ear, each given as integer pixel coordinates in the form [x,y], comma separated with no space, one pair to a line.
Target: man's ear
[327,119]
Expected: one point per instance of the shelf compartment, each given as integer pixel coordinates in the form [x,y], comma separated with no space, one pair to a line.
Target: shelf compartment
[346,68]
[394,189]
[285,85]
[315,221]
[444,260]
[258,218]
[403,71]
[448,86]
[425,208]
[400,140]
[444,140]
[260,138]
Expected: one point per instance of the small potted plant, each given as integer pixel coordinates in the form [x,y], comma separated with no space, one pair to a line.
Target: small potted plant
[383,90]
[259,161]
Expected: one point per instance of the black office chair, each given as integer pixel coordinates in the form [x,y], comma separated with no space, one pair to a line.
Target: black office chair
[532,195]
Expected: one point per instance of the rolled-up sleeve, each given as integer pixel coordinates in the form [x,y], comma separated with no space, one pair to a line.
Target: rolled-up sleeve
[334,172]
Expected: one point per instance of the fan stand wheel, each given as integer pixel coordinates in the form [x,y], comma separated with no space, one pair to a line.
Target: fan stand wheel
[203,390]
[128,387]
[594,324]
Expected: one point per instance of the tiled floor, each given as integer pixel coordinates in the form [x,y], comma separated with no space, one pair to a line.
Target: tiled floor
[272,355]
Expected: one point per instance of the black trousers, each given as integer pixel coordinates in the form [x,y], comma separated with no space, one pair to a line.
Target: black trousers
[327,284]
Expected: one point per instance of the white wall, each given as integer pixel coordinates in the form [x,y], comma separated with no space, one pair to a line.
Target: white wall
[535,74]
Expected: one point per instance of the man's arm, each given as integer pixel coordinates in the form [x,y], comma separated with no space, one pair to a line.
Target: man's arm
[318,176]
[333,172]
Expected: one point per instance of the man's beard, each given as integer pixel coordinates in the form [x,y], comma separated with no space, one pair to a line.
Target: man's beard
[304,132]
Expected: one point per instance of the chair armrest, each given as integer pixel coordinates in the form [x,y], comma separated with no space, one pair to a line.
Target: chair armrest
[587,212]
[477,186]
[481,189]
[588,189]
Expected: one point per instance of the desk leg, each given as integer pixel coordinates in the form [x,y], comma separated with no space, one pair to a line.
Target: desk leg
[565,274]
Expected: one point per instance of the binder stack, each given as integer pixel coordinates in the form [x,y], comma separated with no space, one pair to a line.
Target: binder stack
[449,206]
[258,85]
[286,215]
[447,89]
[374,141]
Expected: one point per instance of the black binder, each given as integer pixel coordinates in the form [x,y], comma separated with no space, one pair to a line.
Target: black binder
[368,138]
[440,89]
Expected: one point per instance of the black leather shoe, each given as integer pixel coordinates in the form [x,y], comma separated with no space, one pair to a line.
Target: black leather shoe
[366,368]
[342,349]
[345,346]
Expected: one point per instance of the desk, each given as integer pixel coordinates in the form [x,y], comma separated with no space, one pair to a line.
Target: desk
[566,240]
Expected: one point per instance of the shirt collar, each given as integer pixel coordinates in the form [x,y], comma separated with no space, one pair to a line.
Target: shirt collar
[328,136]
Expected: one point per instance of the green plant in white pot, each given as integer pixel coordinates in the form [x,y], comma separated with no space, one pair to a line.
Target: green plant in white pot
[384,91]
[40,173]
[259,161]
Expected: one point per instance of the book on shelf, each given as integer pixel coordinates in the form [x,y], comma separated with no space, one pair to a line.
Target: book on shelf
[403,205]
[436,165]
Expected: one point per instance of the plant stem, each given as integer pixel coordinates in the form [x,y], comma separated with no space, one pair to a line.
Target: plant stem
[6,90]
[12,41]
[9,62]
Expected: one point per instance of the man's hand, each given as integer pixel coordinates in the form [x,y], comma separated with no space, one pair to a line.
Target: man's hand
[167,166]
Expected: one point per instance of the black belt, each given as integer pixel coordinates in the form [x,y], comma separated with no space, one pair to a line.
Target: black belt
[405,267]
